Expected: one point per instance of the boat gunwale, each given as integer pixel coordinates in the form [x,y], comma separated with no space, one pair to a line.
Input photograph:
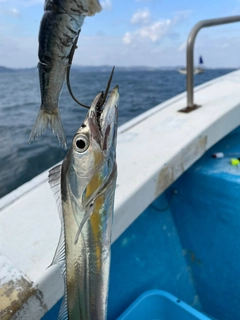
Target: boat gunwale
[17,193]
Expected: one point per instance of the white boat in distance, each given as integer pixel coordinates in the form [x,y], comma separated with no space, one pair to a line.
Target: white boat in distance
[196,70]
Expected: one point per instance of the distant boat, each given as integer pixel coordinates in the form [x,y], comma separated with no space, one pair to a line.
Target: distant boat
[196,70]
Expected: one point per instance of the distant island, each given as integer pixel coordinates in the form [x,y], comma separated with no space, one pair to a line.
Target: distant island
[3,69]
[102,68]
[91,68]
[8,70]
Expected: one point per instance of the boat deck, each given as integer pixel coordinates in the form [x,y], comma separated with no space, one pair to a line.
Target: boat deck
[187,241]
[153,151]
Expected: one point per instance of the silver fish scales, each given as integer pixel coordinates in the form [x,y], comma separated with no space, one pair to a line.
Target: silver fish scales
[84,186]
[58,34]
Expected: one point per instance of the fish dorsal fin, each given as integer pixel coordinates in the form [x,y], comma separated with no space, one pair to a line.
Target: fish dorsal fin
[63,313]
[54,179]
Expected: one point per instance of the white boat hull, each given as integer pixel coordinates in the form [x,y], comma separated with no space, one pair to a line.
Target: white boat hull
[195,71]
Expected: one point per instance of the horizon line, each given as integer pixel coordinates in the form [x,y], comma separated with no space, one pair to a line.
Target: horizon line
[125,67]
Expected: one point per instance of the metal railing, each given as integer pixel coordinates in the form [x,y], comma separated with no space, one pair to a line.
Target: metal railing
[190,46]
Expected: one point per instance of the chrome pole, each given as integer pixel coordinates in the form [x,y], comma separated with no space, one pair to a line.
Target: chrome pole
[190,47]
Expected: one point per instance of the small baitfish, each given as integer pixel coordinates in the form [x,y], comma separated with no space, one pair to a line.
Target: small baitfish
[58,34]
[84,187]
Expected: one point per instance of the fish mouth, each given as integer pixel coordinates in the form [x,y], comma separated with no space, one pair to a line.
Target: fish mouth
[104,118]
[108,120]
[103,112]
[99,109]
[108,115]
[102,121]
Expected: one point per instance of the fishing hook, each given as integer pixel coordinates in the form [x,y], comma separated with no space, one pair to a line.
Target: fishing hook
[104,94]
[71,54]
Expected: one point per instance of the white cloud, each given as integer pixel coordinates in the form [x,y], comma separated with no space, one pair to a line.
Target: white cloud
[152,32]
[182,47]
[10,12]
[155,31]
[21,51]
[142,16]
[14,12]
[182,15]
[127,38]
[100,50]
[224,45]
[143,45]
[106,4]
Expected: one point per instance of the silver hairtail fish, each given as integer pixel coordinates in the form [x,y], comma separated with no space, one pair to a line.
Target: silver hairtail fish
[58,34]
[84,186]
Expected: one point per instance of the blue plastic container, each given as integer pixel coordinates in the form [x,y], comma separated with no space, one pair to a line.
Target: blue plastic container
[160,305]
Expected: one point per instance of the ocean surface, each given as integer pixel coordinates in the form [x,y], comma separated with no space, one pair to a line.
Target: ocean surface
[20,100]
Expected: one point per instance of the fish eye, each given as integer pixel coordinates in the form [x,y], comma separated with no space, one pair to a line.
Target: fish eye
[81,143]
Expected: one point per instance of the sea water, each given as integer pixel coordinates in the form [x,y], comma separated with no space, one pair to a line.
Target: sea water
[20,161]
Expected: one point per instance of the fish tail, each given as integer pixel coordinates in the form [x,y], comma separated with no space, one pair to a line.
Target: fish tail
[45,120]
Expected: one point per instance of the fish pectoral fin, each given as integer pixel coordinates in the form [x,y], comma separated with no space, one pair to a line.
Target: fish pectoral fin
[59,256]
[85,218]
[45,120]
[54,179]
[90,210]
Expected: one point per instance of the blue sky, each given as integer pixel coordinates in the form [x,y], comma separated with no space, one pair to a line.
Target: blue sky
[128,32]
